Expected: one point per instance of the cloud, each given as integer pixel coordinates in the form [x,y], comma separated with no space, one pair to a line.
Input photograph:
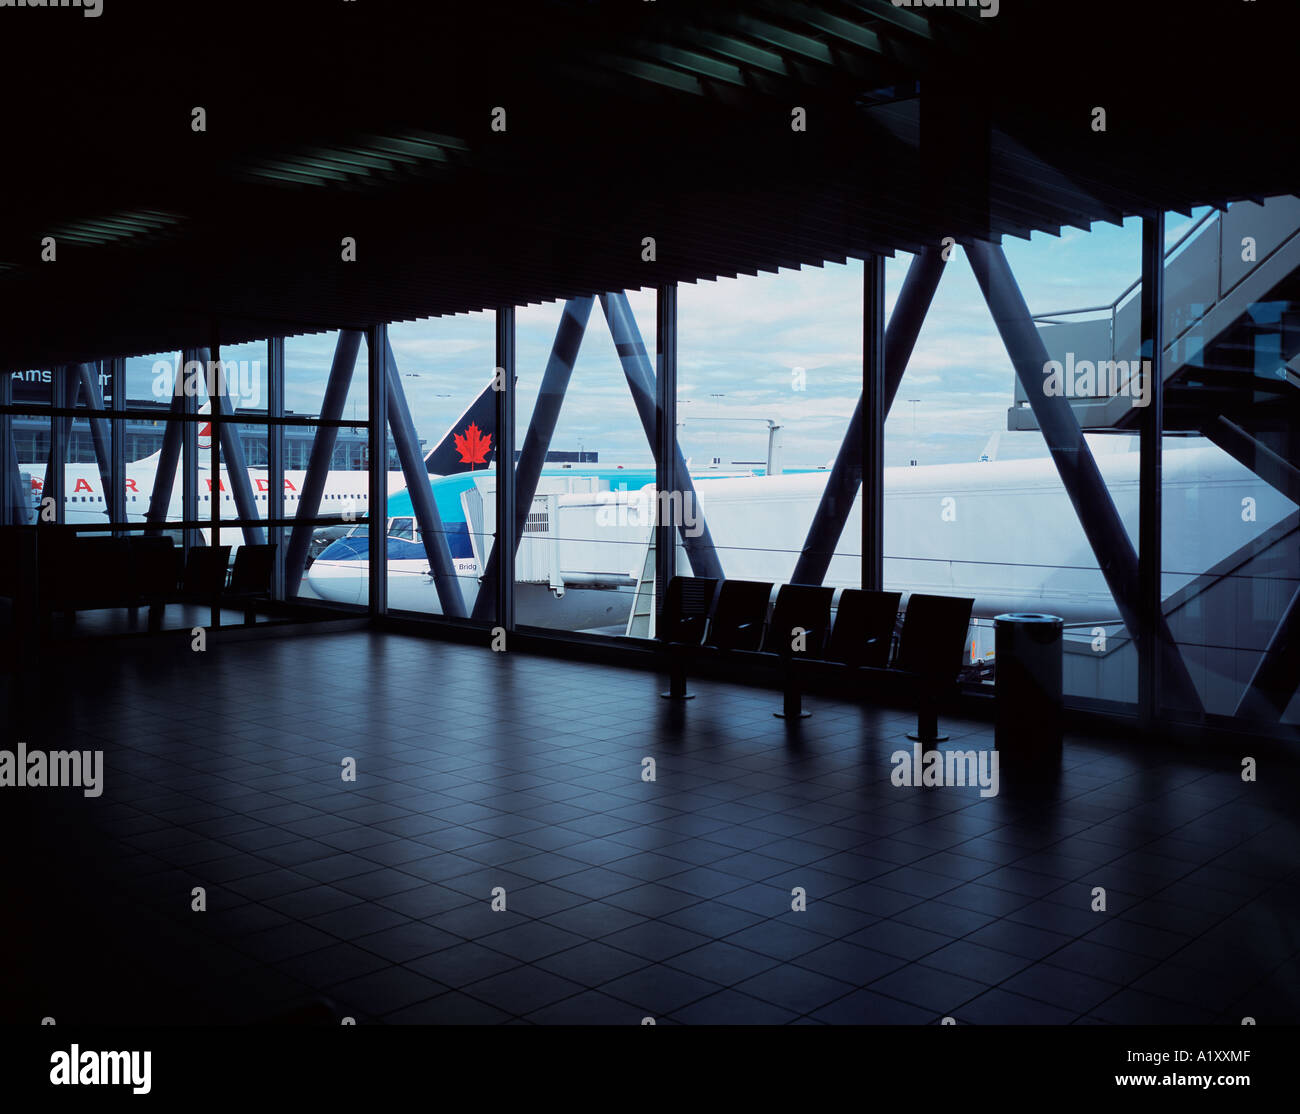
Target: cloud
[738,343]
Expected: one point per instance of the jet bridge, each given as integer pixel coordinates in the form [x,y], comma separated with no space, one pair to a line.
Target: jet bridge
[577,534]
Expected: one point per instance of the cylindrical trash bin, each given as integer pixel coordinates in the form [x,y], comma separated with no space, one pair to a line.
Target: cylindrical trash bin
[1028,658]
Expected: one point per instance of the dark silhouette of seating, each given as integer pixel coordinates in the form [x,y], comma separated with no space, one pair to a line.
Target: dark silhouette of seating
[202,580]
[17,552]
[209,580]
[739,615]
[863,635]
[735,623]
[72,573]
[930,648]
[155,571]
[96,572]
[76,573]
[205,573]
[682,624]
[801,622]
[10,542]
[801,635]
[57,571]
[250,580]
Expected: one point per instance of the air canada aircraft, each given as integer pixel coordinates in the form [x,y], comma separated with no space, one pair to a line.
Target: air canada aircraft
[346,493]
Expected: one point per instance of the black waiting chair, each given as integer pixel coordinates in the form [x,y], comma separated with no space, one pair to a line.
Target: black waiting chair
[801,621]
[681,626]
[10,539]
[57,572]
[155,574]
[201,577]
[81,572]
[98,571]
[92,571]
[250,580]
[931,648]
[863,635]
[739,615]
[204,578]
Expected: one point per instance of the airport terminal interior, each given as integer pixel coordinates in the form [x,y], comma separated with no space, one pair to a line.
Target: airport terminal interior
[598,514]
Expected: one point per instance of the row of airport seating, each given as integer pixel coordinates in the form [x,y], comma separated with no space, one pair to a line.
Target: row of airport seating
[85,573]
[702,615]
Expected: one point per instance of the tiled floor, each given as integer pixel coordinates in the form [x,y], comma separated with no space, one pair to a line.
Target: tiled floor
[481,773]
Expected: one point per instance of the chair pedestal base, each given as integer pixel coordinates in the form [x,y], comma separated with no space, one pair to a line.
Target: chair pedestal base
[677,686]
[927,727]
[792,705]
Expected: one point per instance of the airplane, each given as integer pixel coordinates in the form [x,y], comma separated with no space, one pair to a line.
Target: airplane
[463,497]
[462,474]
[346,493]
[1000,531]
[339,572]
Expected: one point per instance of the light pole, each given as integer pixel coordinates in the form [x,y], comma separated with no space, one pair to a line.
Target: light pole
[913,401]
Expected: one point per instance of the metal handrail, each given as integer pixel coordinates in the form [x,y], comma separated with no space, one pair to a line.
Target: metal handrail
[1114,307]
[1136,283]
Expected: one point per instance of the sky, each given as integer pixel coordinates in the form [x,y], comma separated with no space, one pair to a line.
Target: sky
[741,345]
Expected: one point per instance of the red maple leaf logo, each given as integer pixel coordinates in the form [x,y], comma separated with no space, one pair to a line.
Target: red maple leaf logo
[474,446]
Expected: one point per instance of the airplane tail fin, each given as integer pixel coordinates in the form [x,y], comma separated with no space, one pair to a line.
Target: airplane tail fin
[204,438]
[205,430]
[470,444]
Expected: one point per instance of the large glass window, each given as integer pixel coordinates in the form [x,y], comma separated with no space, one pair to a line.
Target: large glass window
[308,359]
[769,370]
[975,504]
[26,437]
[1231,524]
[445,377]
[149,384]
[586,540]
[340,514]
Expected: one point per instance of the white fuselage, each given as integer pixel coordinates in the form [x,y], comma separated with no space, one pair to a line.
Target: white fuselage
[86,502]
[1004,533]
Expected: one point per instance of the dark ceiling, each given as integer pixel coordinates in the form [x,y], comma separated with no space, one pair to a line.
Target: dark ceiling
[624,119]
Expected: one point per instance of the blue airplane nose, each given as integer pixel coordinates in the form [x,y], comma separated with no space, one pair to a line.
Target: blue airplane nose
[346,549]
